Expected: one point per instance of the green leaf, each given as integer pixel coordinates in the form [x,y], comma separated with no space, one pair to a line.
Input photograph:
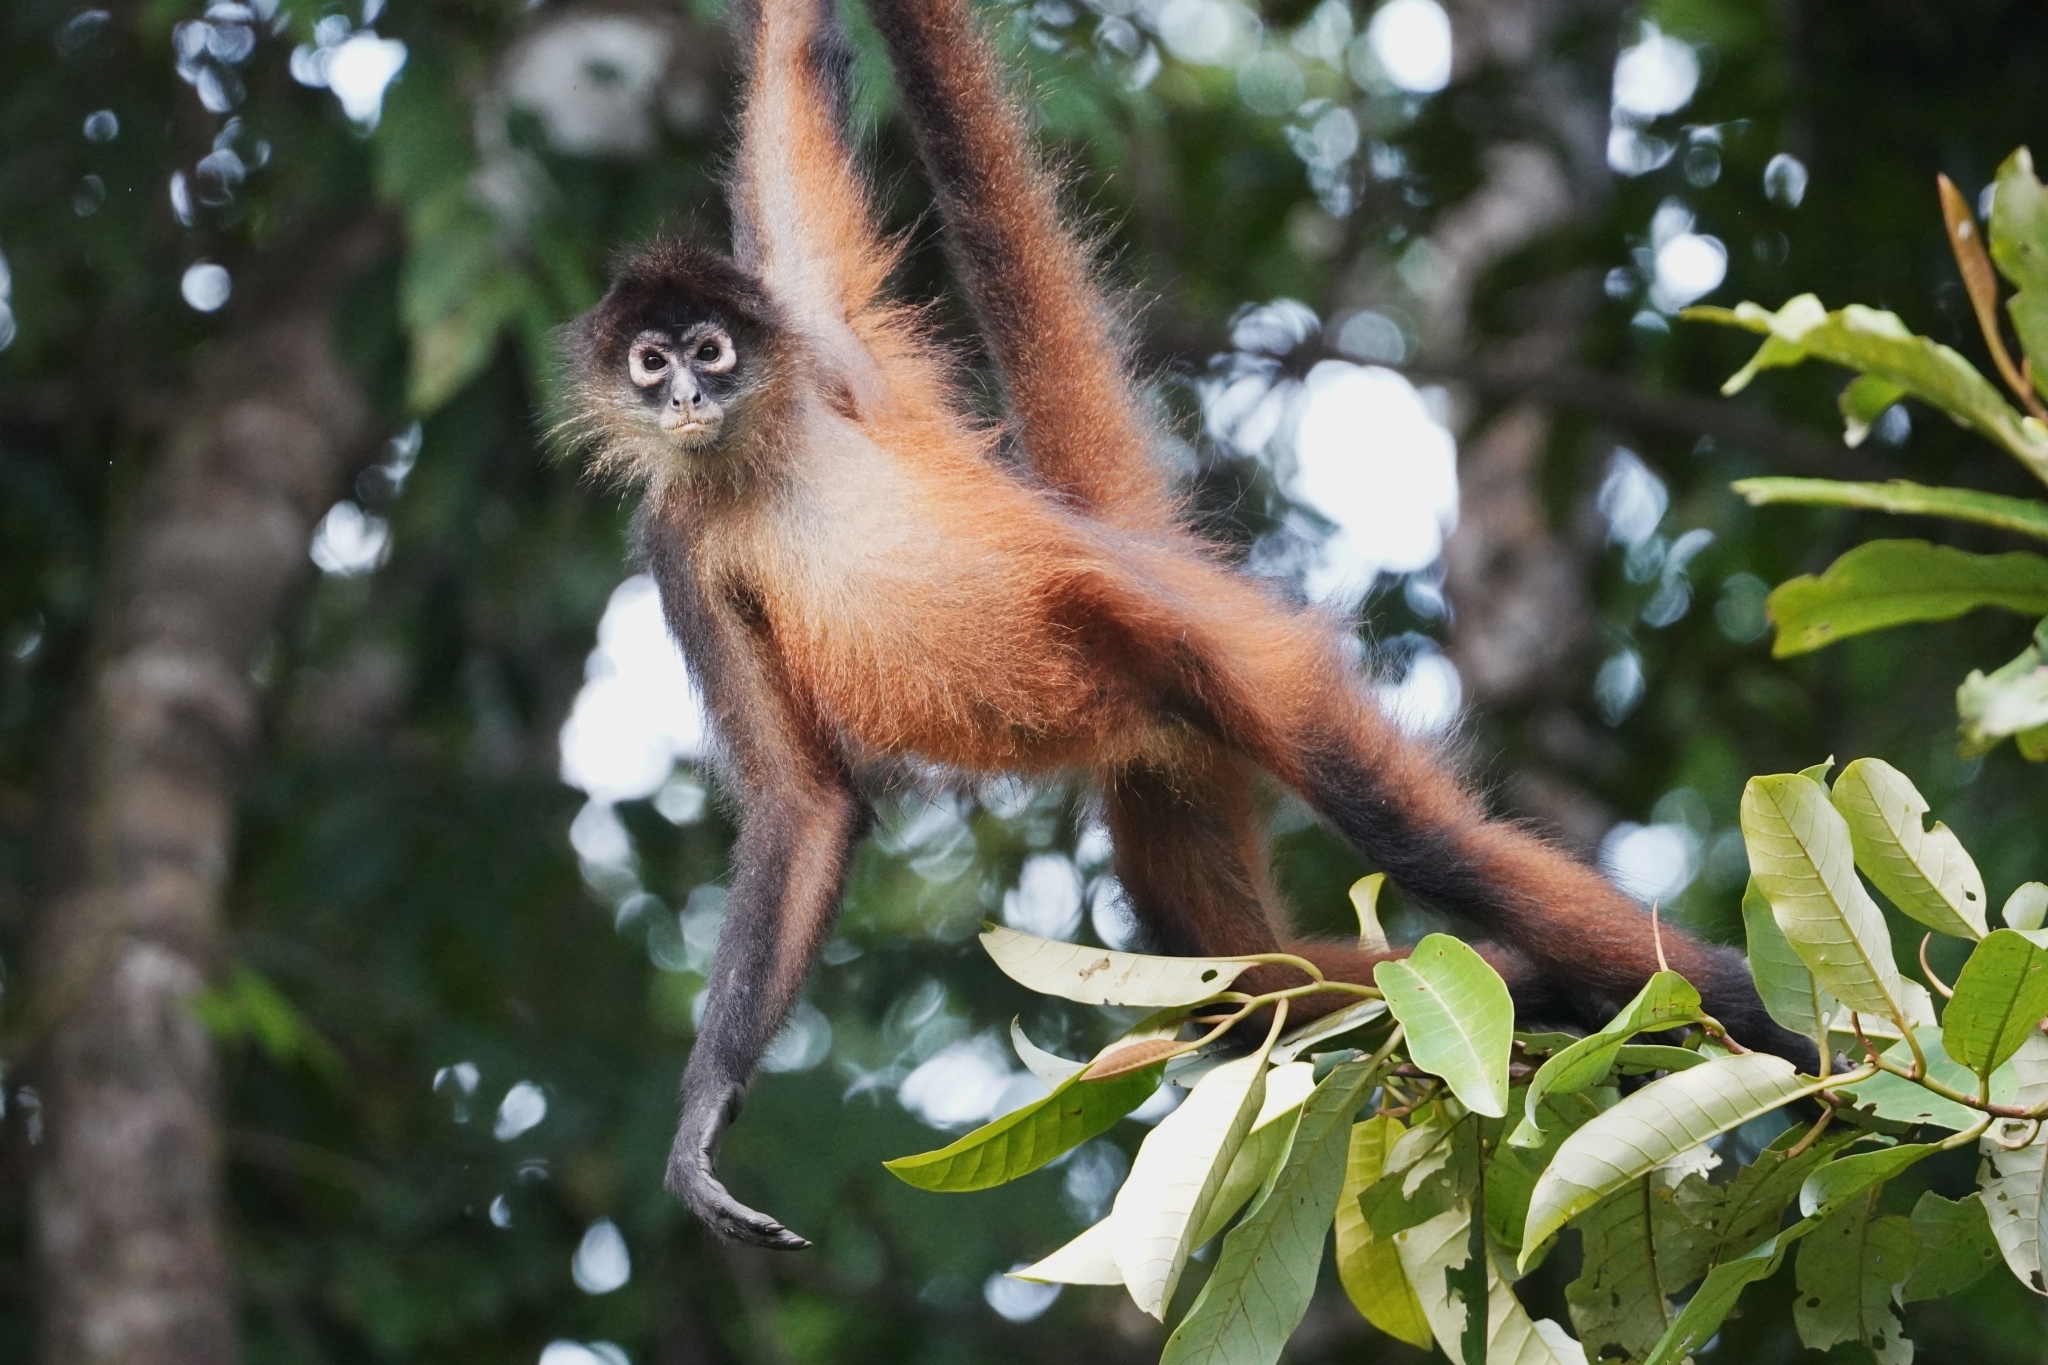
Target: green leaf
[1733,1218]
[1956,1247]
[2027,906]
[1459,1016]
[1790,994]
[1103,976]
[1715,1299]
[246,1005]
[1515,1168]
[1865,399]
[1434,1166]
[2019,247]
[1875,342]
[1665,1001]
[1365,899]
[2000,999]
[2023,515]
[1638,1059]
[1802,858]
[1648,1128]
[1621,1302]
[1848,1269]
[1838,1182]
[1925,872]
[1266,1271]
[1369,1266]
[1024,1139]
[1886,583]
[1176,1175]
[1431,1252]
[2010,701]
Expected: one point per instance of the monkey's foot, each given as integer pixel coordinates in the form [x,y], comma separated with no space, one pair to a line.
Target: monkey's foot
[690,1179]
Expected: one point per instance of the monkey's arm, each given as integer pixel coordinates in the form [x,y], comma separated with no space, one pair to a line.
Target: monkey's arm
[800,821]
[1053,333]
[801,218]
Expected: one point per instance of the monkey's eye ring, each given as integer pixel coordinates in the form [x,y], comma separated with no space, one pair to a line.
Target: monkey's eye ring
[647,364]
[715,354]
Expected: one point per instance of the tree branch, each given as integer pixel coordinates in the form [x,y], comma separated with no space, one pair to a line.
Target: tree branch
[126,1198]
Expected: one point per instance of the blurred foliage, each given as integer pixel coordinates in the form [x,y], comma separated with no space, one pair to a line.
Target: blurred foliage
[405,894]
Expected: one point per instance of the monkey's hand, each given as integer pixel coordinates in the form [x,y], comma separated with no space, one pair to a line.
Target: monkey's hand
[706,1113]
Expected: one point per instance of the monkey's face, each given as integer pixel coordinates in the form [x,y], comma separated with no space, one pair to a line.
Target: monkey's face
[686,378]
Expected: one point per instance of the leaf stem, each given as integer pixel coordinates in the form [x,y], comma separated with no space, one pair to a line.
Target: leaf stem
[1947,991]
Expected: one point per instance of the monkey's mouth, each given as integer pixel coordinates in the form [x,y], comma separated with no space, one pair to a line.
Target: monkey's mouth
[690,432]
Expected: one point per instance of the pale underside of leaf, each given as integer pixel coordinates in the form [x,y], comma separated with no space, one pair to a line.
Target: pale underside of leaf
[1802,858]
[1299,1041]
[1459,1017]
[1925,872]
[1175,1177]
[1089,1259]
[1650,1127]
[2023,516]
[1365,899]
[1104,976]
[1441,1244]
[1266,1270]
[2015,1191]
[1286,1087]
[1049,1067]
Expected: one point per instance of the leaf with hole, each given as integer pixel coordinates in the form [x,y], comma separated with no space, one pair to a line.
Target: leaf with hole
[1648,1128]
[1431,1252]
[1104,976]
[1956,1247]
[1849,1268]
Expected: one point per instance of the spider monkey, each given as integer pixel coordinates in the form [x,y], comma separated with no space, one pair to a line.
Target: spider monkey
[859,578]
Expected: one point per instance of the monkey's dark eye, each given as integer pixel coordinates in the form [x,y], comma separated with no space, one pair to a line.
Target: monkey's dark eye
[653,362]
[708,352]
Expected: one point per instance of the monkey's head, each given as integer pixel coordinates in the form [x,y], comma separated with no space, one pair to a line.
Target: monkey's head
[667,367]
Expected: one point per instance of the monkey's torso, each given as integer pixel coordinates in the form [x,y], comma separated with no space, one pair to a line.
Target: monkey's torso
[988,589]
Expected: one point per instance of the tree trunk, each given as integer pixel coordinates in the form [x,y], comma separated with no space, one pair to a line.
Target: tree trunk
[127,1190]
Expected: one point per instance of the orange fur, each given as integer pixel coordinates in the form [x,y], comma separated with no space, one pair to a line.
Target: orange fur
[857,580]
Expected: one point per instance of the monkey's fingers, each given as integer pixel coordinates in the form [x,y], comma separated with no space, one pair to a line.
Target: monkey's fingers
[690,1178]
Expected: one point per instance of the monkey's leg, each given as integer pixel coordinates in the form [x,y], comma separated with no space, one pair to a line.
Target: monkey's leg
[789,867]
[1058,343]
[1191,857]
[1272,685]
